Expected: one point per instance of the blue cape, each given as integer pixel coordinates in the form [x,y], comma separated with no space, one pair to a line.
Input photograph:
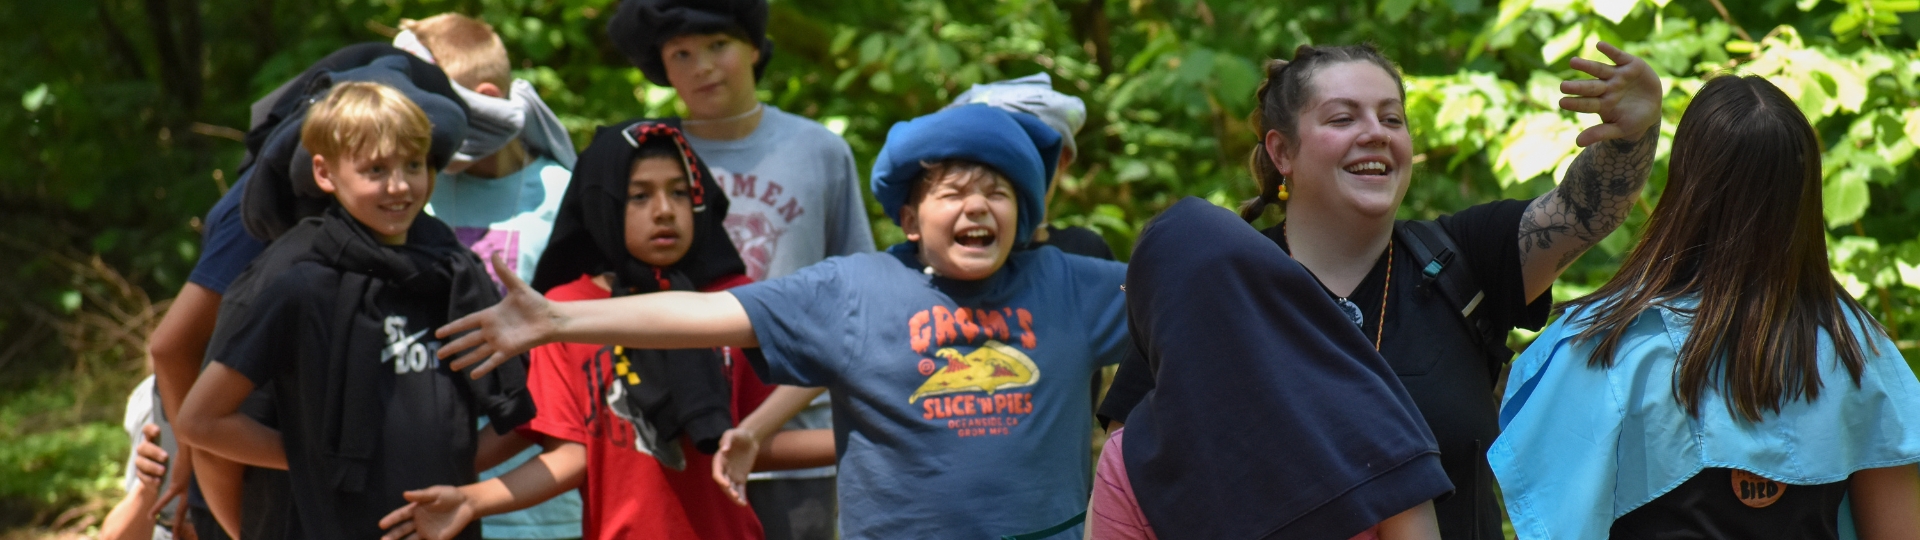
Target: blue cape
[1271,415]
[1020,146]
[1582,446]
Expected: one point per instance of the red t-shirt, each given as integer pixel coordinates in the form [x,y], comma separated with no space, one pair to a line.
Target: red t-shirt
[626,493]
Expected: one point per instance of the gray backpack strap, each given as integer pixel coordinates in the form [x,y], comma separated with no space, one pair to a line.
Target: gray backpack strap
[1444,270]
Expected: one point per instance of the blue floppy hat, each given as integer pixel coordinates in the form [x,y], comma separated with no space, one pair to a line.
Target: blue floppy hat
[1019,146]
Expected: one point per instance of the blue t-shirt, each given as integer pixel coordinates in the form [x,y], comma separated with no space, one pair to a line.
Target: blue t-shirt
[960,408]
[225,246]
[512,214]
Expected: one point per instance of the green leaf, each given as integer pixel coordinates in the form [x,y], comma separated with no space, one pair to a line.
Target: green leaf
[69,300]
[1566,43]
[38,97]
[881,82]
[1395,10]
[1614,10]
[1844,25]
[1844,196]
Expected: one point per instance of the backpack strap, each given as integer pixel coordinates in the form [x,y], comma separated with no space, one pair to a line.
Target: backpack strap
[1443,269]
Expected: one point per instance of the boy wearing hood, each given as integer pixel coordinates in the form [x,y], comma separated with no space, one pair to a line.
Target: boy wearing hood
[633,429]
[334,316]
[793,184]
[959,364]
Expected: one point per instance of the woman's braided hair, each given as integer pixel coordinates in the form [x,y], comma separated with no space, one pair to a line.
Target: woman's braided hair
[1277,106]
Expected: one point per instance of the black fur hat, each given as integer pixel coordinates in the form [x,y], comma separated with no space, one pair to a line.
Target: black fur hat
[639,27]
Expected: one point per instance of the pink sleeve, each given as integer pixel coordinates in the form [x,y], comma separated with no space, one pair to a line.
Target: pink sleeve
[1113,512]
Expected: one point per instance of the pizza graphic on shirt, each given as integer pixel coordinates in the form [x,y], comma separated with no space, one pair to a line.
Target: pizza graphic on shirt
[755,236]
[993,367]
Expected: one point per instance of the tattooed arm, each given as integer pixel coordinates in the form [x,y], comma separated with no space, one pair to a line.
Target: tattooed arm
[1605,179]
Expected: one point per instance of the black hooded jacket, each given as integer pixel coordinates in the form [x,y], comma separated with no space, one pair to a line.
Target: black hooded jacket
[679,391]
[1271,415]
[342,328]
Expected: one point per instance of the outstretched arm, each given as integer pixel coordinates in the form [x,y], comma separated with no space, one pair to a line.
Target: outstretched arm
[524,320]
[1605,180]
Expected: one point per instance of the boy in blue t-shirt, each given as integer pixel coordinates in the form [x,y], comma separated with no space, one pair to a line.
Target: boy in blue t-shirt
[959,365]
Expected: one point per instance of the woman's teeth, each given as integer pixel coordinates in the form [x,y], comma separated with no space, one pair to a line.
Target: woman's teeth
[1367,167]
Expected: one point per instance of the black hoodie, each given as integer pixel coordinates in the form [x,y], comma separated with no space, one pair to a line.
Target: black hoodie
[1271,415]
[342,328]
[679,391]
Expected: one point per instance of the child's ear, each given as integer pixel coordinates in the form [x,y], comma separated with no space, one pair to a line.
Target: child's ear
[910,222]
[1275,145]
[322,174]
[490,90]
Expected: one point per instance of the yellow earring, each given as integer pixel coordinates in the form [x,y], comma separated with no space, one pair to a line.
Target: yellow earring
[1283,195]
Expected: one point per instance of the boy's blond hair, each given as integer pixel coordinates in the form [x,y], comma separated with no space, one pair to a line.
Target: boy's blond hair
[466,48]
[366,119]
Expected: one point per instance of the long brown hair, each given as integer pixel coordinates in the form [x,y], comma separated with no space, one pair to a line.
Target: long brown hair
[1739,225]
[1277,104]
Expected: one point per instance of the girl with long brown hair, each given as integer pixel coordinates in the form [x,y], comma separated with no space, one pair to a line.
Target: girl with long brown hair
[1722,384]
[1335,151]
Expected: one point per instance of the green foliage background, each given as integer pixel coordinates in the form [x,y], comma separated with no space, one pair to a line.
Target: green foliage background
[122,118]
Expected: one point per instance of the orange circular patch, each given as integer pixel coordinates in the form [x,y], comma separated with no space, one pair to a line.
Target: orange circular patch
[927,367]
[1756,491]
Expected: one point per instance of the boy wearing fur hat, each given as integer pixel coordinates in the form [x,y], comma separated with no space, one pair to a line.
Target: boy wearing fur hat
[795,192]
[334,316]
[959,364]
[500,193]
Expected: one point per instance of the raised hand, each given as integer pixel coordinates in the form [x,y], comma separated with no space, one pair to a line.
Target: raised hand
[1626,95]
[435,513]
[738,449]
[521,321]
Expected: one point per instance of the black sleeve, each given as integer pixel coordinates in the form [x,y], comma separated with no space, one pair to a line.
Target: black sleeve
[257,331]
[1080,241]
[503,396]
[1130,385]
[1489,237]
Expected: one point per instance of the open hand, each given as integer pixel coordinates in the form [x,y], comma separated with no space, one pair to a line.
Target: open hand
[738,449]
[435,513]
[520,322]
[1626,95]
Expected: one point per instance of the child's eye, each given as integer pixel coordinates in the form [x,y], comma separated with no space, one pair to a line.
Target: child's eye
[683,193]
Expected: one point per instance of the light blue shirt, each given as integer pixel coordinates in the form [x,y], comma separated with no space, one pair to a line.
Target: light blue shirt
[1582,446]
[512,215]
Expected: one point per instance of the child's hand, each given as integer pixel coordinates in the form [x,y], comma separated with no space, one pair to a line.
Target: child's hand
[149,460]
[519,322]
[435,513]
[1625,95]
[738,448]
